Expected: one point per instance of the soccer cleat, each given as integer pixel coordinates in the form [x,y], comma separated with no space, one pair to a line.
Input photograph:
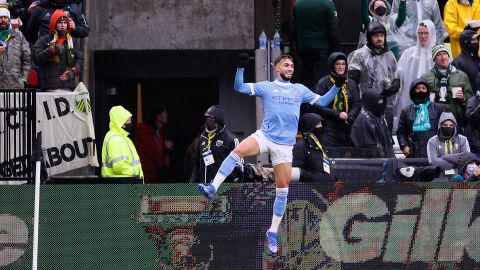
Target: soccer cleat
[207,190]
[272,241]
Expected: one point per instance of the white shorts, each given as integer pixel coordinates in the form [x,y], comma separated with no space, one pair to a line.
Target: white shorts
[279,153]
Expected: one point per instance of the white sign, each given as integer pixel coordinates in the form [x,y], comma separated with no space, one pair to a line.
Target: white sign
[65,120]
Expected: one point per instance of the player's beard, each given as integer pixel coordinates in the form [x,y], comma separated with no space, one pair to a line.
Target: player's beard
[285,76]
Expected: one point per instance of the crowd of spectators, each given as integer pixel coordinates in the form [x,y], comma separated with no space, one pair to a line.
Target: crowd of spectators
[41,45]
[403,80]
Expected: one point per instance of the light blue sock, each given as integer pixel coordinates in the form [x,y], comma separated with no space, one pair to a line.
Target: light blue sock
[225,169]
[279,206]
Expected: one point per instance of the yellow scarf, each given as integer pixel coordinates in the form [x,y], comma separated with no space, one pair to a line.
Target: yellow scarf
[340,103]
[70,52]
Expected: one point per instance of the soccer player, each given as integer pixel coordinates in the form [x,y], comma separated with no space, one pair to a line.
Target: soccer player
[281,105]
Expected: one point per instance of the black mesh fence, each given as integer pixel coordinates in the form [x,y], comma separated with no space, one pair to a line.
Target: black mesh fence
[326,226]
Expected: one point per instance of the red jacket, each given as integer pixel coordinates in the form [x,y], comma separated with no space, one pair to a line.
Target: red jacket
[151,151]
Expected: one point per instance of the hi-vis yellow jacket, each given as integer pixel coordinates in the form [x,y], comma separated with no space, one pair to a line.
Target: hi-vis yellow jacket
[119,156]
[455,17]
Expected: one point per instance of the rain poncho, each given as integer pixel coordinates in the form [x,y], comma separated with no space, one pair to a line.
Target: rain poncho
[456,14]
[413,63]
[418,11]
[392,22]
[376,70]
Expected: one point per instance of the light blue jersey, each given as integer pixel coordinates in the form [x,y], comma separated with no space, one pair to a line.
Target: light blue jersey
[281,105]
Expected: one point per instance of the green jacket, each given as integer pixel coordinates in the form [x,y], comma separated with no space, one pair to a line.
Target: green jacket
[119,156]
[315,25]
[457,78]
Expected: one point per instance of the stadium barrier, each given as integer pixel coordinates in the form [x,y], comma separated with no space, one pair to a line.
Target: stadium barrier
[169,226]
[17,133]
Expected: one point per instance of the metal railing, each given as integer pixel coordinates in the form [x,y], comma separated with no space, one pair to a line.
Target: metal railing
[17,134]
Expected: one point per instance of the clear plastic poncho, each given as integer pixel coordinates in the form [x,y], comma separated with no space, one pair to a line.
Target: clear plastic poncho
[418,10]
[413,63]
[396,39]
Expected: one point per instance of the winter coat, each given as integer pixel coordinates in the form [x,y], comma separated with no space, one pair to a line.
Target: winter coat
[455,17]
[336,131]
[472,114]
[370,131]
[221,145]
[15,62]
[51,71]
[119,156]
[39,21]
[429,11]
[457,78]
[468,61]
[436,147]
[307,155]
[309,158]
[417,141]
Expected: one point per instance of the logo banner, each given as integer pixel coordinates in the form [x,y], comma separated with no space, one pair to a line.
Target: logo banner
[65,120]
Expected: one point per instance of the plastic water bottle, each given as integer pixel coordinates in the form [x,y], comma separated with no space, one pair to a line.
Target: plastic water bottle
[262,40]
[276,40]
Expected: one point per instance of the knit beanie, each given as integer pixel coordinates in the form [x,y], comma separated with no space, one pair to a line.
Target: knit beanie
[4,12]
[439,48]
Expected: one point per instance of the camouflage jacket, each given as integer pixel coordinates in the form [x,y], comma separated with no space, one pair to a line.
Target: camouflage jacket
[15,61]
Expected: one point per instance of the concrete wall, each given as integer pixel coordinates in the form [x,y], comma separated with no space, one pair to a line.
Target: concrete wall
[171,24]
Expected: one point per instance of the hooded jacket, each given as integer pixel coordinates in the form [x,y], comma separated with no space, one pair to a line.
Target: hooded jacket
[417,141]
[468,61]
[337,131]
[472,114]
[455,17]
[119,156]
[307,155]
[51,71]
[447,153]
[370,130]
[462,175]
[219,144]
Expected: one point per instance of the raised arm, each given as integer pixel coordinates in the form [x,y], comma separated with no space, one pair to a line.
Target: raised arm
[239,85]
[326,99]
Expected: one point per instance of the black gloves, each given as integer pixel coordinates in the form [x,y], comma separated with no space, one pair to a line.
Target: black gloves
[339,79]
[392,89]
[243,60]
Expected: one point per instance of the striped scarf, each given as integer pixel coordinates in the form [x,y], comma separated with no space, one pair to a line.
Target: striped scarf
[70,51]
[340,103]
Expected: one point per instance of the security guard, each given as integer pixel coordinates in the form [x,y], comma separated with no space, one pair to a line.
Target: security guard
[119,156]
